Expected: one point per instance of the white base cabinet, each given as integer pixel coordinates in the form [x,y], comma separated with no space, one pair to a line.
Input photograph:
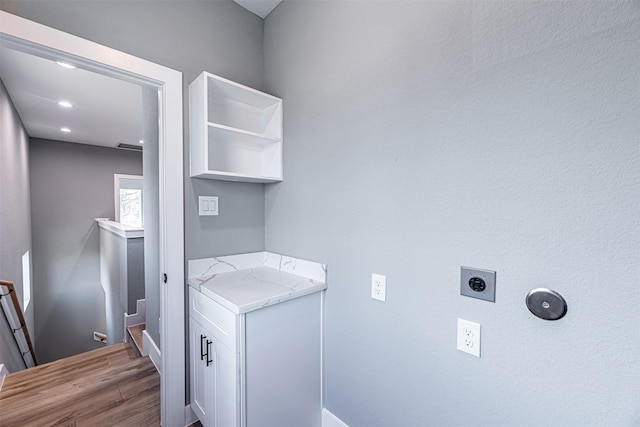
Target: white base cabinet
[257,369]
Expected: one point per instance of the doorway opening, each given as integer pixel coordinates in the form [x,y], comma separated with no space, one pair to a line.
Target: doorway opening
[30,37]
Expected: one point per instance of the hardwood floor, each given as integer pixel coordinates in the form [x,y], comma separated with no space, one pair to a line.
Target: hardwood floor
[104,387]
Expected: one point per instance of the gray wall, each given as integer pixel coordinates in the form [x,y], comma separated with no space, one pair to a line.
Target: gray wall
[151,209]
[15,218]
[135,275]
[189,36]
[71,184]
[121,278]
[422,136]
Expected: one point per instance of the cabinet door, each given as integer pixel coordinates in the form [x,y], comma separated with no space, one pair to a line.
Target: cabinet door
[202,378]
[214,379]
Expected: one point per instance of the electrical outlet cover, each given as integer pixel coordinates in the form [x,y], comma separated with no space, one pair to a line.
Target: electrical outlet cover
[468,337]
[379,287]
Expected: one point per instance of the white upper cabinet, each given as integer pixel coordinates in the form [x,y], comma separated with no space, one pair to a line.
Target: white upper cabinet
[235,131]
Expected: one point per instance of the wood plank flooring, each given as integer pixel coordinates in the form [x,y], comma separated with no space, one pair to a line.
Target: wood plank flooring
[105,387]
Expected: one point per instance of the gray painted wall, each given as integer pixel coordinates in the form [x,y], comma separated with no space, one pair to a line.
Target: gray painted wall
[15,218]
[189,36]
[151,209]
[422,136]
[135,275]
[71,184]
[121,278]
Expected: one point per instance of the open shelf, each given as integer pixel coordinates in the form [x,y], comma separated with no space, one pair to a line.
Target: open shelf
[226,132]
[235,131]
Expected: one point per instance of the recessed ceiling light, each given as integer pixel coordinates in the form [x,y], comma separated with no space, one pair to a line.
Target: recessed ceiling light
[65,65]
[141,141]
[66,130]
[65,104]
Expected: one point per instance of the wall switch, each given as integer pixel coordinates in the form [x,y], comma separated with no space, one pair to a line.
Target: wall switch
[379,287]
[208,205]
[469,337]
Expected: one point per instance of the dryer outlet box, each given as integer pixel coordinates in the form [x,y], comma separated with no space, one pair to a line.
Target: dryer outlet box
[478,283]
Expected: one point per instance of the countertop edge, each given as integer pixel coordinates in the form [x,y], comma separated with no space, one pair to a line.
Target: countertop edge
[257,305]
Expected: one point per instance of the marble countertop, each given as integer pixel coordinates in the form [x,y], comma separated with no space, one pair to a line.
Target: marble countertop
[243,283]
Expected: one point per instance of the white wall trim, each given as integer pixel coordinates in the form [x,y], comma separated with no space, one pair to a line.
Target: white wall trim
[47,42]
[137,318]
[3,373]
[151,349]
[122,230]
[330,420]
[322,304]
[190,417]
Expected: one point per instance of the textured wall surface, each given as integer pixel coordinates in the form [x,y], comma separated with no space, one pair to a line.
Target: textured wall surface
[15,218]
[422,136]
[71,184]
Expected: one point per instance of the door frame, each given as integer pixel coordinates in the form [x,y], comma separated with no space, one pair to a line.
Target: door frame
[47,42]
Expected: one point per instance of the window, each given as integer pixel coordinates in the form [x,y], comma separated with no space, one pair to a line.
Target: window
[128,198]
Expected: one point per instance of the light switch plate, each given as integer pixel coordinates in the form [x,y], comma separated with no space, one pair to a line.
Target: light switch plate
[207,205]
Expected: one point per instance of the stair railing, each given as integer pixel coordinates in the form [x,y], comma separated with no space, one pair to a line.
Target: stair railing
[13,315]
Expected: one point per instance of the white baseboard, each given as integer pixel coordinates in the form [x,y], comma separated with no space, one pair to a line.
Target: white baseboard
[330,420]
[3,373]
[190,417]
[151,349]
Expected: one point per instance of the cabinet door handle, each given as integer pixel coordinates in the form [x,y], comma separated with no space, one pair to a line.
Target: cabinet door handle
[202,353]
[209,361]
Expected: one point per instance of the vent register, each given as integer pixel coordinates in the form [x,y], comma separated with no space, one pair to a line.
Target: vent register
[130,147]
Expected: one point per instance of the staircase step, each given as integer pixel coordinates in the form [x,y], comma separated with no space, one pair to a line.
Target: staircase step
[135,332]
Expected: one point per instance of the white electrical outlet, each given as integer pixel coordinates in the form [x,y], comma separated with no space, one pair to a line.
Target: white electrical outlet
[379,287]
[469,337]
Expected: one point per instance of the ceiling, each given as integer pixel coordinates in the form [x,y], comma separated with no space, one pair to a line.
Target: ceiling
[260,7]
[106,111]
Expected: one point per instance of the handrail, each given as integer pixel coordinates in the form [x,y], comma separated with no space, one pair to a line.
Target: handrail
[28,353]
